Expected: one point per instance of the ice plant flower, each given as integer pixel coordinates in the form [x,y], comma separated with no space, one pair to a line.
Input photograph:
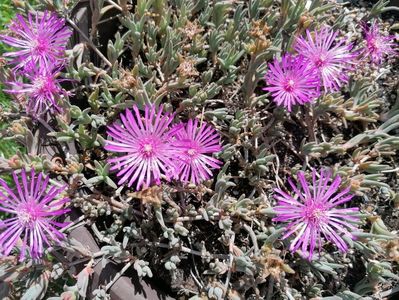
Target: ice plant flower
[291,82]
[42,90]
[196,143]
[312,213]
[331,58]
[377,45]
[31,210]
[144,145]
[41,40]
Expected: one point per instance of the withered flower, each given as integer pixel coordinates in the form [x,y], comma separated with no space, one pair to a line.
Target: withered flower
[192,29]
[187,68]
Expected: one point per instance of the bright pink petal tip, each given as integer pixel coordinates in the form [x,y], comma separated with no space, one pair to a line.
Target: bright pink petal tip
[41,39]
[196,143]
[311,216]
[291,82]
[377,46]
[330,57]
[42,89]
[143,145]
[31,209]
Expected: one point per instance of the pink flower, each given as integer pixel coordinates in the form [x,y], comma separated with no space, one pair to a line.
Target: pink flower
[43,91]
[311,213]
[331,59]
[291,82]
[144,142]
[32,208]
[41,39]
[377,45]
[195,145]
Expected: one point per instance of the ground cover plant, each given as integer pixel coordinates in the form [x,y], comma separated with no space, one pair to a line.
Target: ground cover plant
[199,150]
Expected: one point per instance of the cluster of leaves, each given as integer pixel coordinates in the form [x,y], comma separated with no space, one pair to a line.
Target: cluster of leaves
[205,59]
[7,147]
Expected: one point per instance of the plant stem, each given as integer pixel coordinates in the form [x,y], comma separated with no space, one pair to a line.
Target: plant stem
[253,237]
[115,5]
[270,288]
[389,8]
[310,123]
[82,260]
[194,252]
[231,259]
[118,275]
[73,224]
[249,80]
[89,42]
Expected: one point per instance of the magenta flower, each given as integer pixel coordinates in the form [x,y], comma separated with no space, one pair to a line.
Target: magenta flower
[330,58]
[311,213]
[377,45]
[147,153]
[195,145]
[291,82]
[41,39]
[32,209]
[43,91]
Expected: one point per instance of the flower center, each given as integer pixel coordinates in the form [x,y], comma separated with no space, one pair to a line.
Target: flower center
[314,213]
[289,85]
[26,217]
[39,83]
[321,60]
[147,148]
[40,45]
[44,84]
[374,44]
[191,152]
